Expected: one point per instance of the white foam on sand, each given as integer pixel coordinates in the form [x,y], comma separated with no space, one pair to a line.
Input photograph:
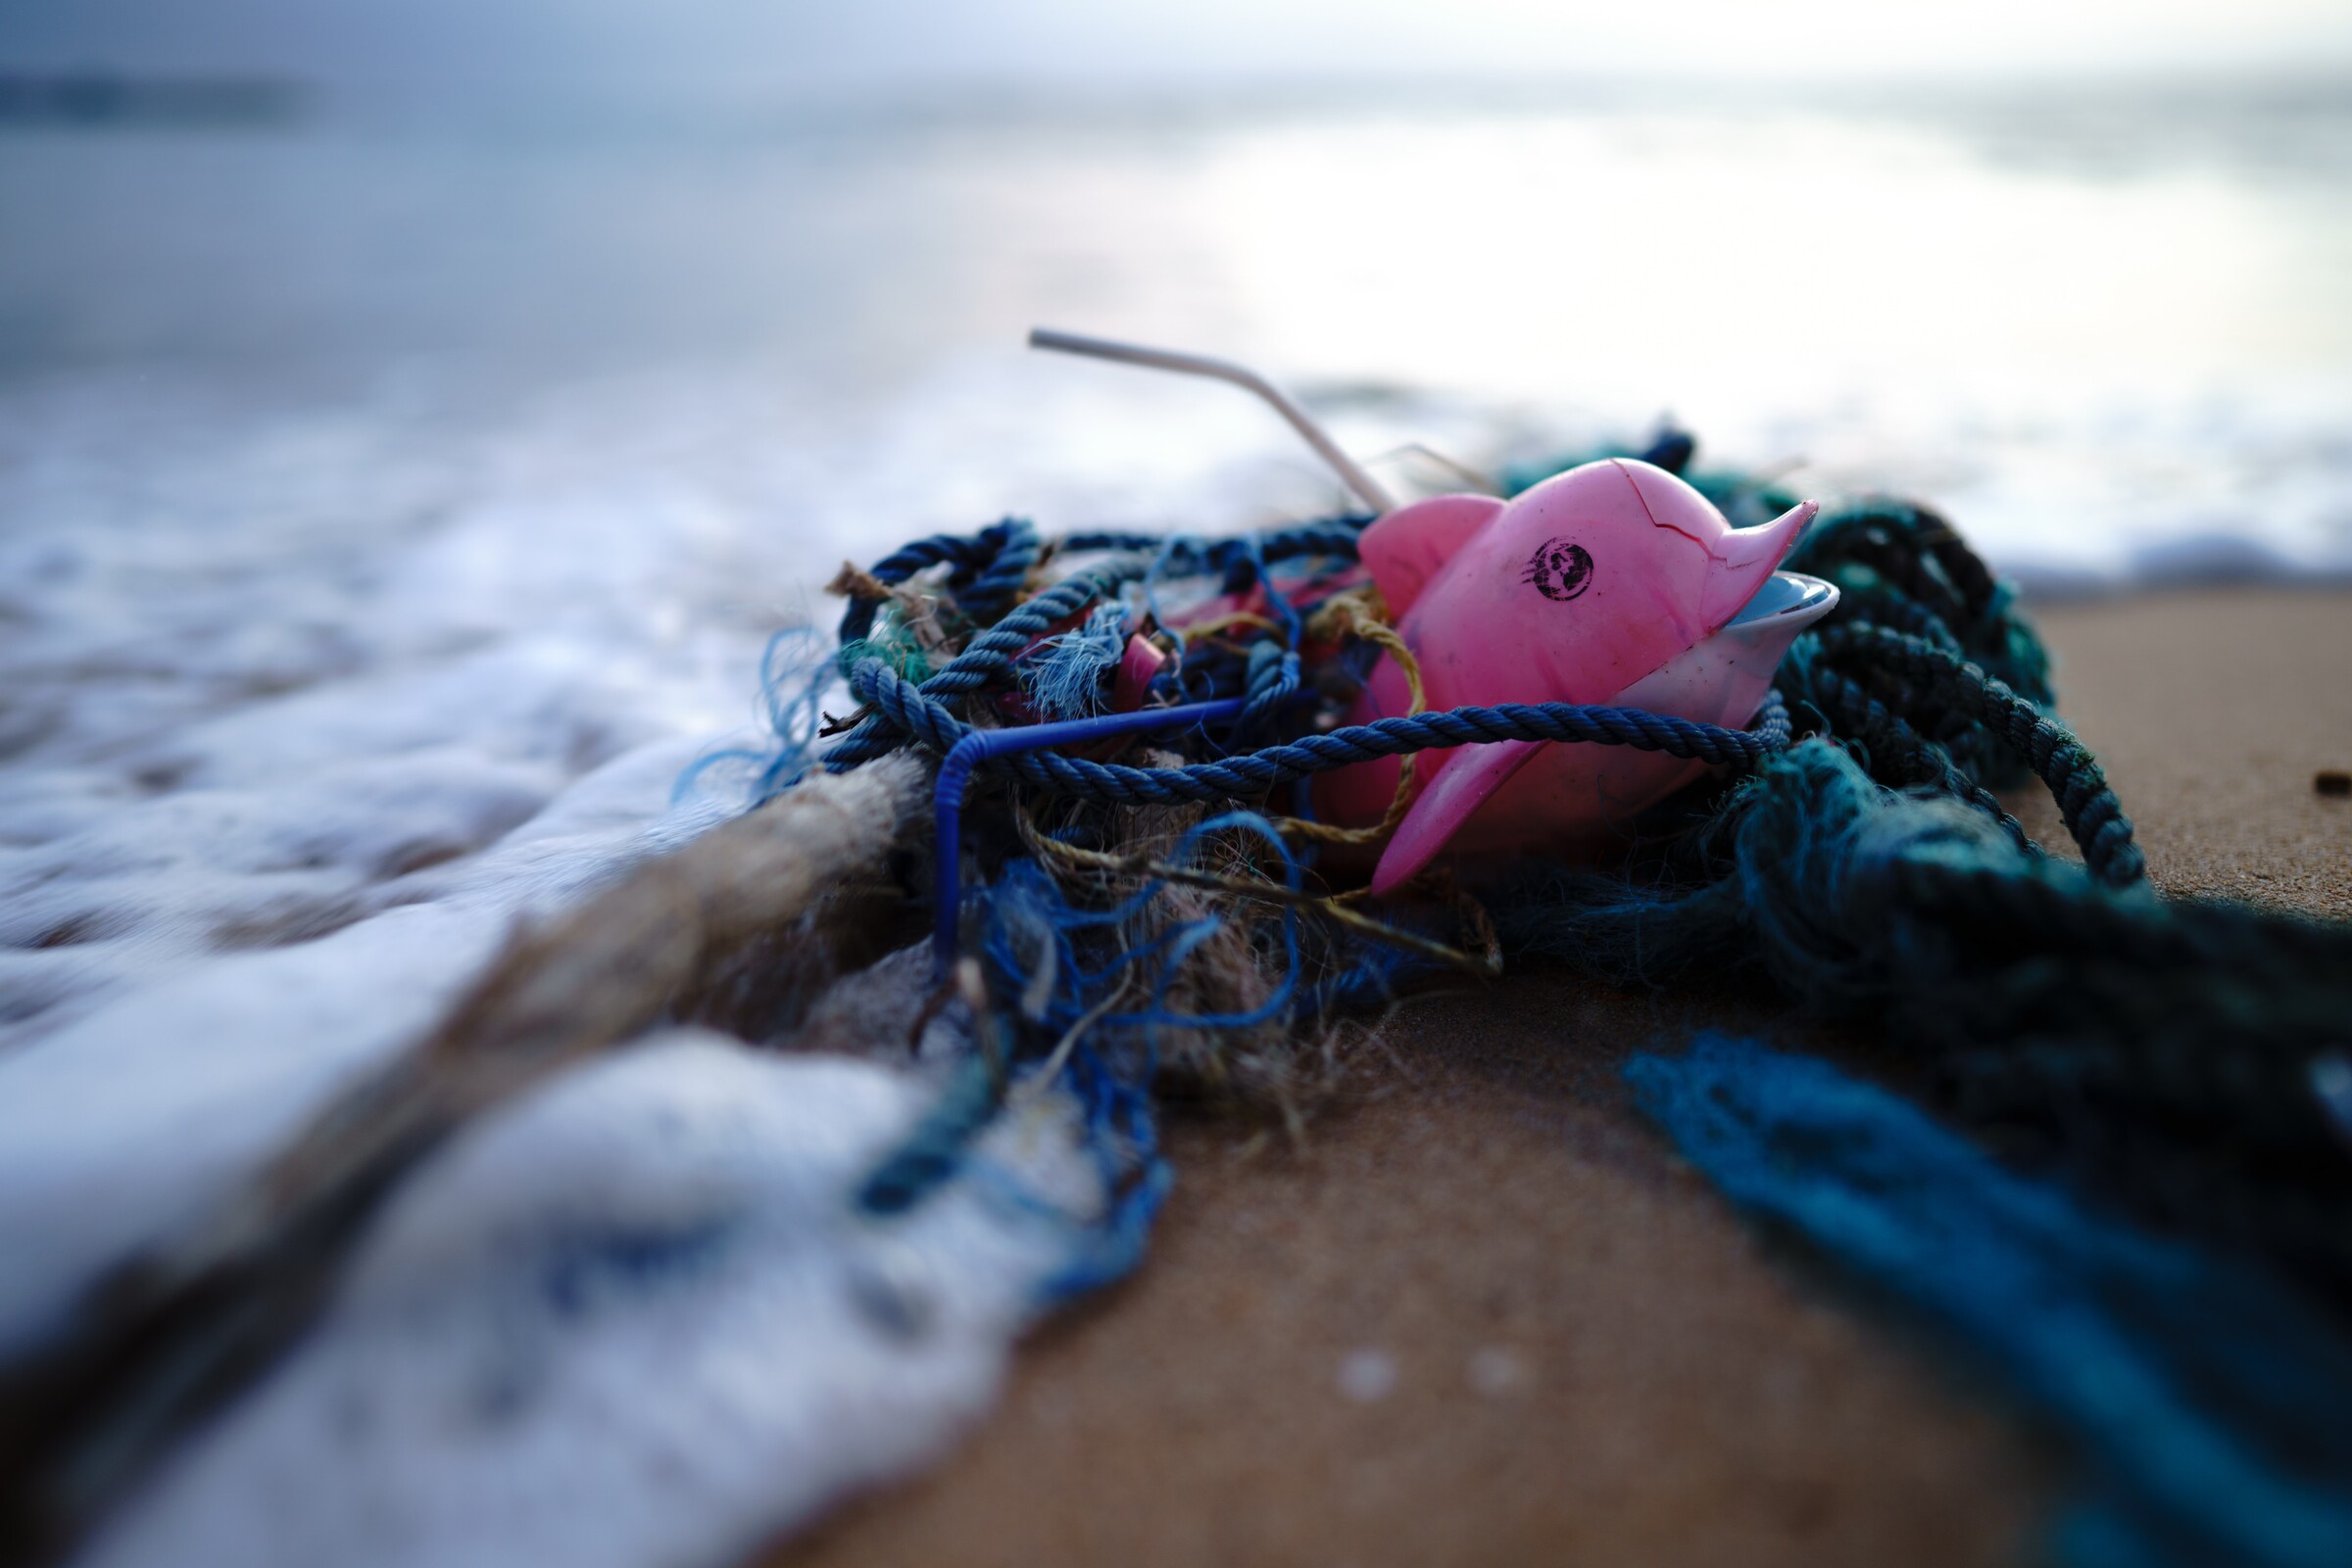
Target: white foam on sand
[635,1320]
[128,1121]
[307,713]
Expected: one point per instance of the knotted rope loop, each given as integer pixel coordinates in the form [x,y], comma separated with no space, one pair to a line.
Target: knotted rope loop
[1274,677]
[986,660]
[990,568]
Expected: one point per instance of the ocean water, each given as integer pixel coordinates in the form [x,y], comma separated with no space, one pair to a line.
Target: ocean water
[394,504]
[2089,323]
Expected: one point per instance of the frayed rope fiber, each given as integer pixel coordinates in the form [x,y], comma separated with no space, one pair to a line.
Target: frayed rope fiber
[1067,675]
[2210,1400]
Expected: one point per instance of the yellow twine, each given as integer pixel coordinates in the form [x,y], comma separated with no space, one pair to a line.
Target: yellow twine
[1362,613]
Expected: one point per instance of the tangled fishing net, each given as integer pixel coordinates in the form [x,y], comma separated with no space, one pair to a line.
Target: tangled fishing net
[1163,914]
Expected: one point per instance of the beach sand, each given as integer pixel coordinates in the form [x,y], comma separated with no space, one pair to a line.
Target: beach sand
[1486,1315]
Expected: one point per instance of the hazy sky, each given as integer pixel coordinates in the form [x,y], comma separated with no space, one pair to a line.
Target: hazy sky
[763,44]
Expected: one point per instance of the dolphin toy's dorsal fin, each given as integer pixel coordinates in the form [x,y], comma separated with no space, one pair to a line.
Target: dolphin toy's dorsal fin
[1404,549]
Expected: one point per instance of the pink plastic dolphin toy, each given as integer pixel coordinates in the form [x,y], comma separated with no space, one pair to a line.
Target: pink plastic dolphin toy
[1613,583]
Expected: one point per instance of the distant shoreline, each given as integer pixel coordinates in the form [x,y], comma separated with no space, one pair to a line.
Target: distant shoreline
[98,99]
[2188,570]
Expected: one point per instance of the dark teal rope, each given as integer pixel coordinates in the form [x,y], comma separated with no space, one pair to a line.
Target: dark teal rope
[1862,723]
[1936,680]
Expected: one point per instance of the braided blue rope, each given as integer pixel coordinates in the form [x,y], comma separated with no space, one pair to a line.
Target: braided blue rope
[1335,537]
[1012,553]
[2209,1394]
[900,705]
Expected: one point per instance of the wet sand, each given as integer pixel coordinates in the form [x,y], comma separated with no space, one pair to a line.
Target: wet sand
[1486,1315]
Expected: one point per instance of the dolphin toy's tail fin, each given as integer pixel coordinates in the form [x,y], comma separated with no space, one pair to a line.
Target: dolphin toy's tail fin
[1404,549]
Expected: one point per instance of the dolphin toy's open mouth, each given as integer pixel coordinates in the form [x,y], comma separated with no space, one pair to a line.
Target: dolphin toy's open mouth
[1787,593]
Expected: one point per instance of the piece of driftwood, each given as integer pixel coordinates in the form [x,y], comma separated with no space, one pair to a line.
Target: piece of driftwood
[171,1334]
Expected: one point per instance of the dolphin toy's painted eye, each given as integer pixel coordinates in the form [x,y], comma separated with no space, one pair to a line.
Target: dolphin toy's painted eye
[1560,570]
